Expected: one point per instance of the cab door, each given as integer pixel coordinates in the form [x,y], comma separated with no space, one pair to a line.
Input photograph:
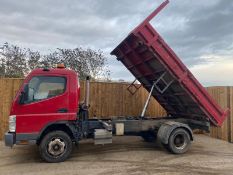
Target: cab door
[46,100]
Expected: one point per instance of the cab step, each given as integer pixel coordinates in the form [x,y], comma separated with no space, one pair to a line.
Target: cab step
[102,136]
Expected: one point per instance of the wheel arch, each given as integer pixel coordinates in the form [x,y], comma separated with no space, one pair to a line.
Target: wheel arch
[167,128]
[57,126]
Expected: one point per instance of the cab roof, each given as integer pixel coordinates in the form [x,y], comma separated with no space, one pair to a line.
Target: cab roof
[57,71]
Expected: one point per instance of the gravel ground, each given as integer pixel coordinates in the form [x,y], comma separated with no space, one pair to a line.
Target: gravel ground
[128,155]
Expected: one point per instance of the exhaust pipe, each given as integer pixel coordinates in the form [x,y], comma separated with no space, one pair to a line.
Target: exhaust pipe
[87,92]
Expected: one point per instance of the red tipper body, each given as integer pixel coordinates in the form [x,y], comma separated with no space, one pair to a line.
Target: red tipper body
[35,116]
[146,55]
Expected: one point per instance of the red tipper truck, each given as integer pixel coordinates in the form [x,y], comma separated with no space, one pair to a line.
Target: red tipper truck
[45,110]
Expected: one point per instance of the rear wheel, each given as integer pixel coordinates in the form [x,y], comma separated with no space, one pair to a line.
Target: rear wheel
[179,141]
[55,147]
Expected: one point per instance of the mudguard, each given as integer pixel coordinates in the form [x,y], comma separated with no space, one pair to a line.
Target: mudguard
[168,127]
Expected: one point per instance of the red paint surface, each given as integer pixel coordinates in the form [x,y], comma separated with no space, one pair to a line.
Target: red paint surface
[135,61]
[33,117]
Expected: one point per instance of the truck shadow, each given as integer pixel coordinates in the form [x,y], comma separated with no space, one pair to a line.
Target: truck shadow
[119,145]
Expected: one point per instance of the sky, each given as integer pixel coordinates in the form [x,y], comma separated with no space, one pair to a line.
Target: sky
[199,31]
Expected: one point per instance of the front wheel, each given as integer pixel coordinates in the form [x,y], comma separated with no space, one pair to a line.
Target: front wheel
[55,147]
[179,141]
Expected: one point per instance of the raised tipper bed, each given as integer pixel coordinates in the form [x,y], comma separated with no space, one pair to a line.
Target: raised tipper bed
[147,56]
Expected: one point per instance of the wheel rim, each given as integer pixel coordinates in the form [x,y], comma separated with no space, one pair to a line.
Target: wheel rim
[180,141]
[56,147]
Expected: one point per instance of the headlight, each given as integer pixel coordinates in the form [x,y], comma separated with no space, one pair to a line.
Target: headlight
[12,123]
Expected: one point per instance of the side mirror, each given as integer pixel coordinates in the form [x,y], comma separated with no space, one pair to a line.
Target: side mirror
[23,96]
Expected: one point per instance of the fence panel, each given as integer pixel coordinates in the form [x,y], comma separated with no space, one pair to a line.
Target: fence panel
[221,95]
[112,99]
[106,99]
[231,115]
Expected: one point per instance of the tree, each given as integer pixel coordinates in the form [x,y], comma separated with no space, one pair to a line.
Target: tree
[85,62]
[33,60]
[13,61]
[17,62]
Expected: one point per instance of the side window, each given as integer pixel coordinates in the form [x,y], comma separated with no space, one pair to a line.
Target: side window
[44,87]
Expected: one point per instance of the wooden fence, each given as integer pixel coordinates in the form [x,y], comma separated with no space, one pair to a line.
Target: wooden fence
[113,99]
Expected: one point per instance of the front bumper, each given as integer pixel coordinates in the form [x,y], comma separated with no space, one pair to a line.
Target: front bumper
[9,139]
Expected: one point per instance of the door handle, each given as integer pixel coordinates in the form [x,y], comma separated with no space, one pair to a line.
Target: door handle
[62,110]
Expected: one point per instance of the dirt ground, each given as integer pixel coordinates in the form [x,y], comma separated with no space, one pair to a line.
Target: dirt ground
[128,155]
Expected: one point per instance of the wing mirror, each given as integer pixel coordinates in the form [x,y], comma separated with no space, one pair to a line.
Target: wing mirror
[24,95]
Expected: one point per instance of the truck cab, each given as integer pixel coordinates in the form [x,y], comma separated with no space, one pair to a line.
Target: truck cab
[46,97]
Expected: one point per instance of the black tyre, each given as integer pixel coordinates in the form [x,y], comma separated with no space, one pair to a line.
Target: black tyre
[148,137]
[179,141]
[55,147]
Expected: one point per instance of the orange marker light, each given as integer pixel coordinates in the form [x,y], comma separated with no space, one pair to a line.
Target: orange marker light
[61,66]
